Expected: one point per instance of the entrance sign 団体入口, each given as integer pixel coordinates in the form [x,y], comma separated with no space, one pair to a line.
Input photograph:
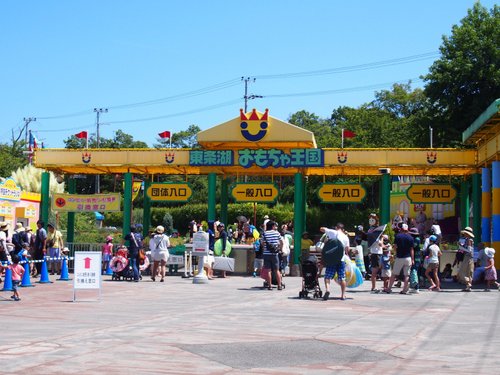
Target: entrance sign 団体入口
[86,203]
[87,271]
[341,193]
[431,193]
[170,192]
[255,192]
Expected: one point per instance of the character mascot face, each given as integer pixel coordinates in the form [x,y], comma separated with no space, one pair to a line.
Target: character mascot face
[373,220]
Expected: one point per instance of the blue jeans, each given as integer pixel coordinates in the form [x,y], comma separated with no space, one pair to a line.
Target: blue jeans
[133,263]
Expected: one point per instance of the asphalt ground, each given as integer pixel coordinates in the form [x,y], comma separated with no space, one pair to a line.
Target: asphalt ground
[234,326]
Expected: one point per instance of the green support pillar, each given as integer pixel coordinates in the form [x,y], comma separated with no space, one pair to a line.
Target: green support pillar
[464,203]
[224,199]
[385,199]
[212,187]
[146,221]
[127,203]
[70,237]
[476,206]
[298,221]
[44,214]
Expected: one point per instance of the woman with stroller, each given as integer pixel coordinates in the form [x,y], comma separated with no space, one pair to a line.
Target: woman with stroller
[159,245]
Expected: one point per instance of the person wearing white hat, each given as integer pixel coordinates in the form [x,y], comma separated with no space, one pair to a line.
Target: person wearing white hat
[19,238]
[4,227]
[490,272]
[466,246]
[159,245]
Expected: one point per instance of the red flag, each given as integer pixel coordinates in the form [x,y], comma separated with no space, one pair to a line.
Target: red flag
[165,134]
[81,135]
[349,134]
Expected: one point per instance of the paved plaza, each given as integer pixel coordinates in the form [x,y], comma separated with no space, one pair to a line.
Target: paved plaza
[233,326]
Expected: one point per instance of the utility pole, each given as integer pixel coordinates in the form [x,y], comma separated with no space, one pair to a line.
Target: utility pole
[98,111]
[27,121]
[248,97]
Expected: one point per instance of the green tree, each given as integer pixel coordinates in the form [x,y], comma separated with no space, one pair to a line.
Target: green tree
[321,128]
[465,80]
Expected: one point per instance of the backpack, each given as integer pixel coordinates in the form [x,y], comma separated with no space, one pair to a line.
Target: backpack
[332,252]
[271,247]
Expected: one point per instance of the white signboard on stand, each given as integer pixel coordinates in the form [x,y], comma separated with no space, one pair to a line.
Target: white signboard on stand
[88,265]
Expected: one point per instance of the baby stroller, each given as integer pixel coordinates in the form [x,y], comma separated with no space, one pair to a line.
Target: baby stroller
[310,278]
[120,266]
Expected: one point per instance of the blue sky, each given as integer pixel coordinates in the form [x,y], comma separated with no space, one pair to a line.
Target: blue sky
[164,65]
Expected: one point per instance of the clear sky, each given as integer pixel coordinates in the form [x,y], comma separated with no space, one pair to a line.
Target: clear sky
[166,64]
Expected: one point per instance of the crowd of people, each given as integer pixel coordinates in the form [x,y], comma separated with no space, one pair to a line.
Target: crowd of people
[411,261]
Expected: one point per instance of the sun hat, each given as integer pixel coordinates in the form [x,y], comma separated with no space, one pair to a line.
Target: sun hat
[489,252]
[109,238]
[19,227]
[266,217]
[4,225]
[159,229]
[468,231]
[433,238]
[404,226]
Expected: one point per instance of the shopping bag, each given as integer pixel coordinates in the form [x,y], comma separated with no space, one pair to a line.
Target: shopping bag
[224,264]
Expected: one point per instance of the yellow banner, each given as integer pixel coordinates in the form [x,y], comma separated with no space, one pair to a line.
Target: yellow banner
[136,188]
[431,193]
[341,193]
[252,192]
[86,203]
[170,192]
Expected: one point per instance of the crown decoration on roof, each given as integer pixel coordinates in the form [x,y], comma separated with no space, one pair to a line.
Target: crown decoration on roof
[253,116]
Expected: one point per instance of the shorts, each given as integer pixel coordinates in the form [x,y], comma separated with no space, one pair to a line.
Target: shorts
[54,252]
[106,257]
[375,260]
[403,264]
[433,266]
[386,273]
[339,269]
[258,263]
[15,285]
[160,256]
[208,260]
[271,262]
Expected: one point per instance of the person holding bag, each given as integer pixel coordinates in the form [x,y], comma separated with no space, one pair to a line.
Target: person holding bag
[159,245]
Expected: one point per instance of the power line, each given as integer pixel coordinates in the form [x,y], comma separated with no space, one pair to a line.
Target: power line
[341,91]
[236,81]
[353,68]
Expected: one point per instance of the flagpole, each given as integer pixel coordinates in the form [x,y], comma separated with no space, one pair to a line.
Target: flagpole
[342,138]
[170,140]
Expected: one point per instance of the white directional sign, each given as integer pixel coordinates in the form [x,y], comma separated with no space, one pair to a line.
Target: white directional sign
[87,270]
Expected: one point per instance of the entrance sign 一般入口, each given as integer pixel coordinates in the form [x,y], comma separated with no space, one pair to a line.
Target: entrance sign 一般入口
[170,191]
[431,193]
[254,192]
[341,193]
[85,202]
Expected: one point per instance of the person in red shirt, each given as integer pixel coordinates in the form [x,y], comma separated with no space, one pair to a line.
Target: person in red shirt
[17,275]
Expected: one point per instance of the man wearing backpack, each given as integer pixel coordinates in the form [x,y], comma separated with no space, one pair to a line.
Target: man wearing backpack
[336,246]
[19,238]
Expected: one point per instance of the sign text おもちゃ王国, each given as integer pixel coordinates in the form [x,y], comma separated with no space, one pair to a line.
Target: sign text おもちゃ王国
[341,193]
[170,191]
[254,192]
[263,158]
[431,193]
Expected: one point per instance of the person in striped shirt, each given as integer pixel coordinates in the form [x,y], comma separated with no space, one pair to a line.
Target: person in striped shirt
[272,241]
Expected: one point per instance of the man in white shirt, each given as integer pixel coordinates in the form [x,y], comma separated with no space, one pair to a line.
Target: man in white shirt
[339,269]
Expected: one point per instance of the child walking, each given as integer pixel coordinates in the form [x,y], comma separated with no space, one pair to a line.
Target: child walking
[17,275]
[433,264]
[385,265]
[107,253]
[490,272]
